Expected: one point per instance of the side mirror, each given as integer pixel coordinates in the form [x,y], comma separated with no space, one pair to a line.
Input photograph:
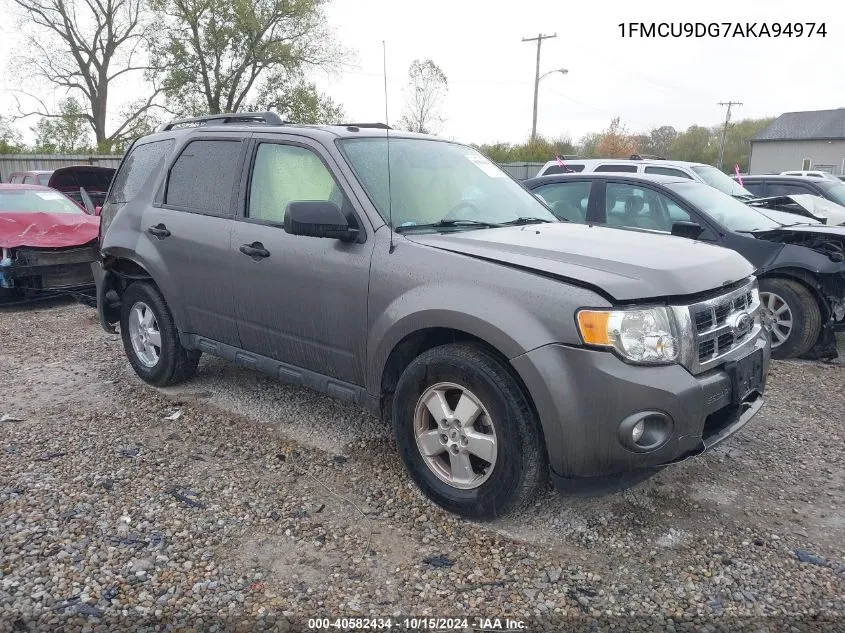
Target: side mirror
[690,230]
[98,210]
[318,218]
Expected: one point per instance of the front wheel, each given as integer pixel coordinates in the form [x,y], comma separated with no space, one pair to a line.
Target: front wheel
[467,433]
[792,315]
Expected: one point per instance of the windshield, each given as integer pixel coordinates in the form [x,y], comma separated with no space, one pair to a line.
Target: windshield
[34,200]
[431,181]
[834,190]
[727,211]
[721,181]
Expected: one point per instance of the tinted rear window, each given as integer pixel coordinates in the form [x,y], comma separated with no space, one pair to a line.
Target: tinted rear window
[203,176]
[631,169]
[136,169]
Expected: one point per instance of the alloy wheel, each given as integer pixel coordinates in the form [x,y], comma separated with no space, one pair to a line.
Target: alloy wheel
[455,435]
[144,334]
[777,316]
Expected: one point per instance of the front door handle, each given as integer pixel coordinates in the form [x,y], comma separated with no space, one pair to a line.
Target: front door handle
[255,250]
[159,230]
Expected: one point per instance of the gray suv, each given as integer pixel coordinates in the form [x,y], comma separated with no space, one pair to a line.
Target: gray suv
[413,277]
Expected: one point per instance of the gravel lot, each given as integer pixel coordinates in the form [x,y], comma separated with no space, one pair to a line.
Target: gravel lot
[235,502]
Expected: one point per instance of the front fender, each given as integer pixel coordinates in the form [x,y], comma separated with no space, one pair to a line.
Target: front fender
[502,323]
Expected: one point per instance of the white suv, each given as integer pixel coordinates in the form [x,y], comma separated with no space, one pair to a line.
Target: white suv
[699,172]
[811,174]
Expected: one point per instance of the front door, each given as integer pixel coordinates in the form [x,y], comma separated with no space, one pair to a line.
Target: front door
[300,300]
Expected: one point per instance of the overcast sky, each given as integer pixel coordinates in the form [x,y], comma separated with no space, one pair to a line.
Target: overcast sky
[647,82]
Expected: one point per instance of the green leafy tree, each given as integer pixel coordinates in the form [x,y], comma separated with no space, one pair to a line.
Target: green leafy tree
[737,145]
[213,55]
[10,138]
[589,145]
[69,133]
[81,47]
[697,144]
[427,86]
[659,141]
[539,150]
[299,101]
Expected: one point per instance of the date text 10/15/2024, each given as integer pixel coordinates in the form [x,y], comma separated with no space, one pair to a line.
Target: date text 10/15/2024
[417,624]
[723,29]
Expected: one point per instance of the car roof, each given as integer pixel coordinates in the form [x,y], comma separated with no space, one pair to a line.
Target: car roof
[628,161]
[321,132]
[780,177]
[604,175]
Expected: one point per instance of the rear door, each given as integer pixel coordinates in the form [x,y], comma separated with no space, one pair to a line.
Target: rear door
[189,230]
[305,303]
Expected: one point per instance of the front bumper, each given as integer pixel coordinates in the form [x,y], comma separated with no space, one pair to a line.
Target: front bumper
[582,396]
[35,271]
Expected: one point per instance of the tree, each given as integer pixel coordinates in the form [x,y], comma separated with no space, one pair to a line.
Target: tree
[539,150]
[659,141]
[298,101]
[697,144]
[82,47]
[616,142]
[589,145]
[213,54]
[737,147]
[427,86]
[67,134]
[10,138]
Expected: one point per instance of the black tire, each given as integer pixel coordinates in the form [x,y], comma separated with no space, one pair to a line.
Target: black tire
[521,464]
[806,316]
[175,364]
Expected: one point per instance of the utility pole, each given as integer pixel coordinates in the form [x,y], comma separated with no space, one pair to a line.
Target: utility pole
[539,39]
[729,104]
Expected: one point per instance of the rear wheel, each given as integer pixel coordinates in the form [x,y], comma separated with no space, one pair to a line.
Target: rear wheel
[150,338]
[793,316]
[467,433]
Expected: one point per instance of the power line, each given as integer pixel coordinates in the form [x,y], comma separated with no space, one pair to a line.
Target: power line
[539,39]
[729,104]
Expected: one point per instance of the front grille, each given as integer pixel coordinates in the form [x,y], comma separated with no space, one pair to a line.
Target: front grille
[718,325]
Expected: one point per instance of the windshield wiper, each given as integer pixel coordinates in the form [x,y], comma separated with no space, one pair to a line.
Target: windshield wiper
[520,221]
[447,223]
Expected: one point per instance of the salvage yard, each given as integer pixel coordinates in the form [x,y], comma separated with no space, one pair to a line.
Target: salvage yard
[237,497]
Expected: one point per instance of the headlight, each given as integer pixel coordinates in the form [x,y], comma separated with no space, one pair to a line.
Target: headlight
[647,336]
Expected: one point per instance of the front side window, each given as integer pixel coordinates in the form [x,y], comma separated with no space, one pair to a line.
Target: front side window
[834,191]
[724,209]
[432,181]
[563,169]
[27,180]
[567,200]
[202,178]
[137,168]
[36,200]
[786,189]
[641,208]
[287,173]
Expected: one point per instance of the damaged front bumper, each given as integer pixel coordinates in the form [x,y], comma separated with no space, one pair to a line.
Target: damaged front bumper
[27,272]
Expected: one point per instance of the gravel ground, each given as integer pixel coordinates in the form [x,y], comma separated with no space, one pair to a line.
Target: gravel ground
[235,502]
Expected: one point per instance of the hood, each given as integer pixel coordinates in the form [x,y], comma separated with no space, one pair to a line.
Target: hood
[822,238]
[625,264]
[803,205]
[91,177]
[47,230]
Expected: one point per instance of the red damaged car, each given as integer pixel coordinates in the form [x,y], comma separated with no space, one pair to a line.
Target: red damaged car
[47,243]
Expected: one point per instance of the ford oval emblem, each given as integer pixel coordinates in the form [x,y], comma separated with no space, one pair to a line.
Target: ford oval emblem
[741,324]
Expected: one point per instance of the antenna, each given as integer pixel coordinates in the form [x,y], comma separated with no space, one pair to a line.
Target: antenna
[387,142]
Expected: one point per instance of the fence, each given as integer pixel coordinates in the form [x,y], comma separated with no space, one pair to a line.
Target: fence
[522,171]
[10,163]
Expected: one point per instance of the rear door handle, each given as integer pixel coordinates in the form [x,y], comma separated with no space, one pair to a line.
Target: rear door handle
[255,250]
[159,230]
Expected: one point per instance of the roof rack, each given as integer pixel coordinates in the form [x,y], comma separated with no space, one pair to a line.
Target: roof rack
[646,157]
[376,126]
[268,118]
